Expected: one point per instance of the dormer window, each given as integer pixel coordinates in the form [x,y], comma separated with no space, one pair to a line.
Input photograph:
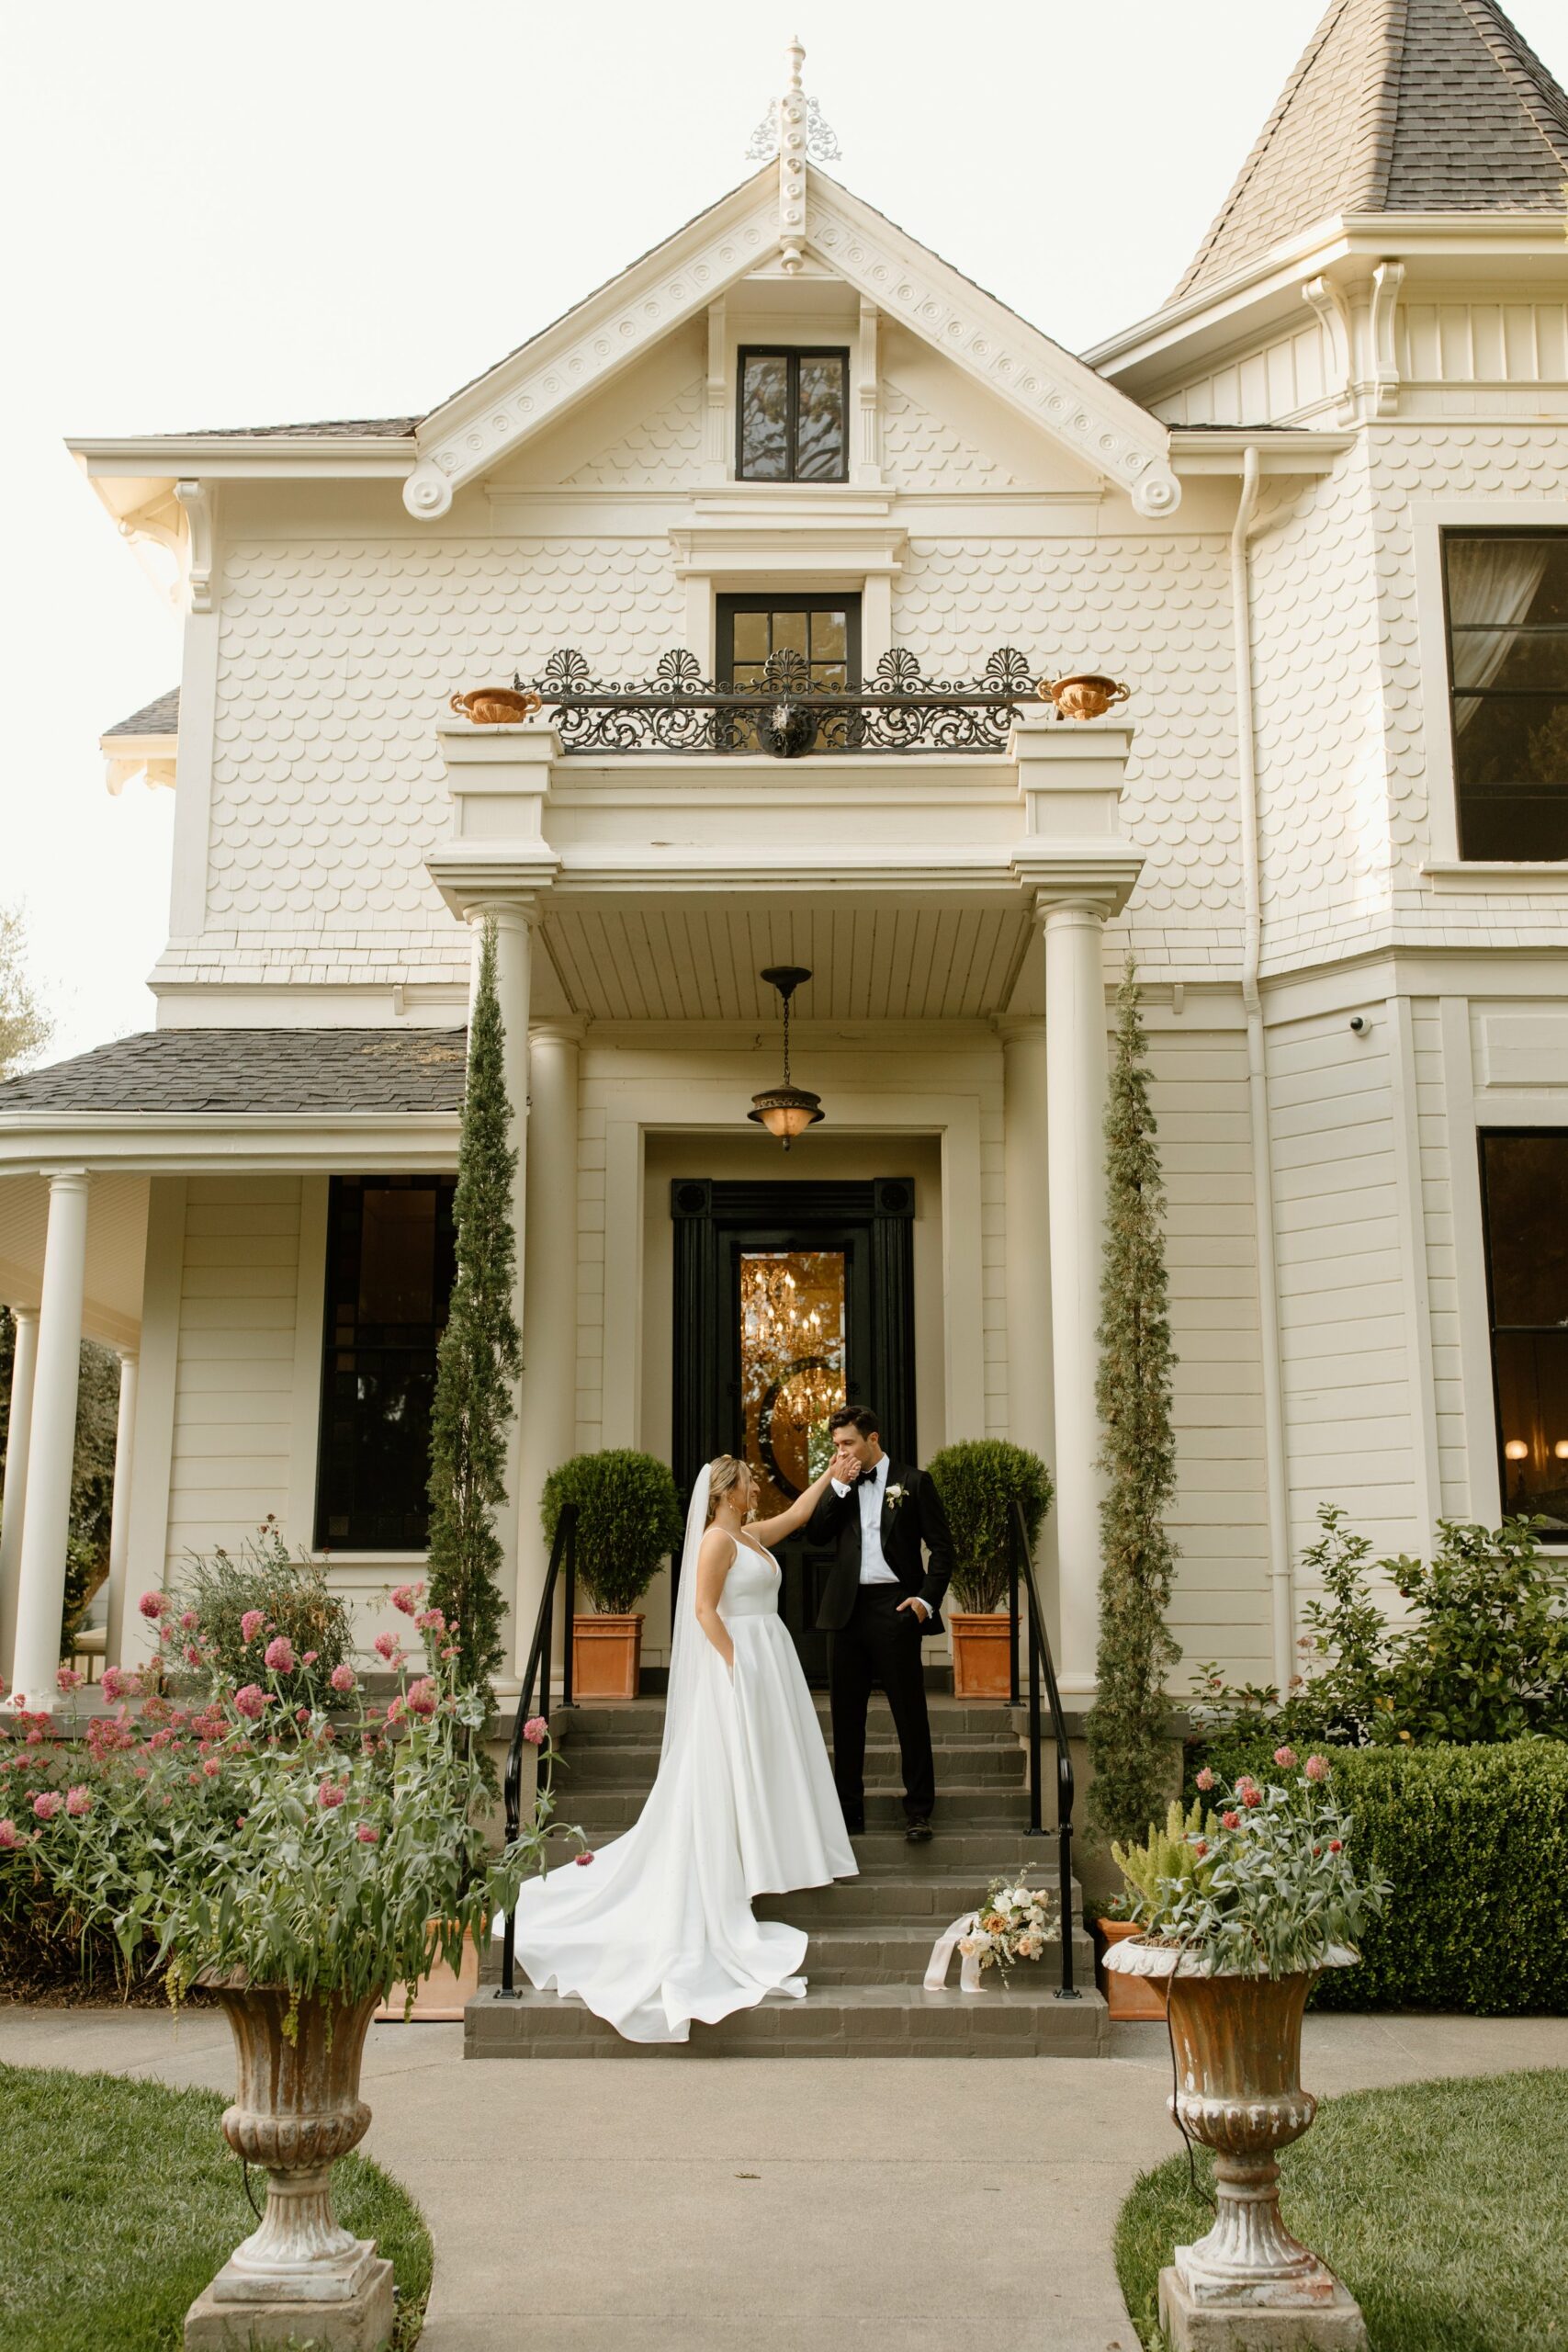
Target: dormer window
[793,406]
[1508,610]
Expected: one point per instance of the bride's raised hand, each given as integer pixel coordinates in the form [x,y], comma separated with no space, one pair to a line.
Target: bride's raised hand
[773,1530]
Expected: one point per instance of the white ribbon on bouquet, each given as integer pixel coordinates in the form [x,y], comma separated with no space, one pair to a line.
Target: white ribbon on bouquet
[942,1950]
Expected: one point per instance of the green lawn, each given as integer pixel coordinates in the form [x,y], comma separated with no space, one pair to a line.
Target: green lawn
[1443,2207]
[118,2200]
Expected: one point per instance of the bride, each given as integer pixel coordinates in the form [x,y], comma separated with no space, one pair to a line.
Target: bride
[659,1930]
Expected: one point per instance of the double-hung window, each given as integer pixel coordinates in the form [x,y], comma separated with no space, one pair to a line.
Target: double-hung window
[1507,621]
[792,422]
[1524,1189]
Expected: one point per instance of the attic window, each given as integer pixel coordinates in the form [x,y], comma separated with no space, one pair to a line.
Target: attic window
[791,421]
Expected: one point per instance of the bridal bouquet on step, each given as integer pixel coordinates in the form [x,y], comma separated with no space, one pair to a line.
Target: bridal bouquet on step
[1013,1923]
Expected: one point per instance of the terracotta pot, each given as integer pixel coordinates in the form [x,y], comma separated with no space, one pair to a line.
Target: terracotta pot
[440,1996]
[297,2110]
[982,1644]
[606,1656]
[496,706]
[1129,1998]
[1088,696]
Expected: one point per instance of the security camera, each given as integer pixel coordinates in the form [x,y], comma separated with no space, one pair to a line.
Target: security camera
[1358,1025]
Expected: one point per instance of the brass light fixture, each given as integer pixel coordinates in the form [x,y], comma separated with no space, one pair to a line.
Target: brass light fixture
[785,1111]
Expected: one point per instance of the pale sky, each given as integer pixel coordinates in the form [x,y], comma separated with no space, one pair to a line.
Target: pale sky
[223,215]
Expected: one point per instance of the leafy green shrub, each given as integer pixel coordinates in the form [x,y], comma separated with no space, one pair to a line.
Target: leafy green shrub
[629,1520]
[1473,1842]
[294,1602]
[979,1479]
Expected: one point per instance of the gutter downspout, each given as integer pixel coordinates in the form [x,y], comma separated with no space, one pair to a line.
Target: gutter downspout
[1283,1600]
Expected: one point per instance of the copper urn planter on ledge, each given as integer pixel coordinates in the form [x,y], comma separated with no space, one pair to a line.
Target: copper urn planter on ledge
[496,706]
[298,2277]
[1086,696]
[1248,2286]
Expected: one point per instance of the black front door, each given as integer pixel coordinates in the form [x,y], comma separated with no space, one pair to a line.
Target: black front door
[790,1298]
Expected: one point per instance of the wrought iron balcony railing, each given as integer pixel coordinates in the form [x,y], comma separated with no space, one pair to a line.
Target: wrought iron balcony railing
[680,710]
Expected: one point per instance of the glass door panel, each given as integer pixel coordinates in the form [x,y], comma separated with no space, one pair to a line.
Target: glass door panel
[792,1365]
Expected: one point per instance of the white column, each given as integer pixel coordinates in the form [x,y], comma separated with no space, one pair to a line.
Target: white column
[547,1404]
[1075,1062]
[46,1523]
[513,922]
[14,1496]
[120,1511]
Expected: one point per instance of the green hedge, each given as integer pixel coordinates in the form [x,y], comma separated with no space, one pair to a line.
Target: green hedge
[1474,1844]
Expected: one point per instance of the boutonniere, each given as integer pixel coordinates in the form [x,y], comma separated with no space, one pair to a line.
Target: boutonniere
[893,1498]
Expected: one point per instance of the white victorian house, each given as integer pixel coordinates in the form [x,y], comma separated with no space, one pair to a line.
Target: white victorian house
[1313,514]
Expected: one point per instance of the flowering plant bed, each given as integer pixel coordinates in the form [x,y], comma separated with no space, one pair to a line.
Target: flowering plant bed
[244,1834]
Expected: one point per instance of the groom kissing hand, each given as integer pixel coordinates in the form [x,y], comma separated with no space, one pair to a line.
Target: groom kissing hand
[882,1518]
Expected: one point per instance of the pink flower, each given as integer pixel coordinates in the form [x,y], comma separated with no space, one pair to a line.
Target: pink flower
[78,1800]
[1336,1845]
[10,1838]
[1286,1759]
[329,1796]
[385,1646]
[301,1714]
[431,1620]
[1200,1846]
[68,1678]
[422,1696]
[116,1684]
[212,1768]
[1230,1820]
[189,1621]
[47,1803]
[406,1598]
[251,1701]
[1252,1797]
[366,1835]
[1205,1779]
[151,1604]
[1316,1768]
[536,1731]
[583,1860]
[342,1677]
[396,1711]
[278,1655]
[250,1624]
[311,1655]
[193,1655]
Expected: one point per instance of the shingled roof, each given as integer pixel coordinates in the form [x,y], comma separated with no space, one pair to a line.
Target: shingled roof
[1397,106]
[228,1073]
[159,717]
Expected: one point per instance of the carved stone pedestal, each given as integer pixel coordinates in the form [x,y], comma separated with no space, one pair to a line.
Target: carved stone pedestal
[348,2308]
[1195,2321]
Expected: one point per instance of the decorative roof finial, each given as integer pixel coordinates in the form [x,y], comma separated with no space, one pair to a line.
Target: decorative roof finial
[792,129]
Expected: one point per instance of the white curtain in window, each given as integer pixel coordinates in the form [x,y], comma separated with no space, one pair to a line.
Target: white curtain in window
[1489,579]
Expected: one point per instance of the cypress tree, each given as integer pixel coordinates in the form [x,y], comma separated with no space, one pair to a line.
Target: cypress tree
[479,1356]
[1127,1741]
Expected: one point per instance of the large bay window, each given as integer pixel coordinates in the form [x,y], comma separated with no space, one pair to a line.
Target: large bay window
[1524,1189]
[1507,620]
[390,1268]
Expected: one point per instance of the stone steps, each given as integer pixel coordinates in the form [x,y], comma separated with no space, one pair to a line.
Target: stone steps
[964,1757]
[606,1811]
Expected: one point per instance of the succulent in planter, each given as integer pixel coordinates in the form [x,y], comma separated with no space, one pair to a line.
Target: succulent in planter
[1240,1911]
[628,1520]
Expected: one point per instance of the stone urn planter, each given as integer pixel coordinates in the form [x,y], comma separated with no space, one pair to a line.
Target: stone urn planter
[298,2277]
[496,706]
[1088,696]
[1238,2046]
[982,1653]
[606,1656]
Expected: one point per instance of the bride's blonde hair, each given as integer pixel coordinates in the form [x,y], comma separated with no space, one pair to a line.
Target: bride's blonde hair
[725,1472]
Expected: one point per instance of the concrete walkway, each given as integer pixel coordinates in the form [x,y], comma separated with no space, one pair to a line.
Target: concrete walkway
[781,2206]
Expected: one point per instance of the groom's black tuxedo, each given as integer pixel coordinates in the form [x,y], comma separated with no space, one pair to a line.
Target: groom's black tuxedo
[873,1640]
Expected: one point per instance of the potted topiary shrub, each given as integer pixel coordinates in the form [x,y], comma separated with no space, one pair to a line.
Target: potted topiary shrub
[1237,1928]
[629,1520]
[979,1479]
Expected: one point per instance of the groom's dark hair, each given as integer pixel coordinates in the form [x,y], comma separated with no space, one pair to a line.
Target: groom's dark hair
[859,1418]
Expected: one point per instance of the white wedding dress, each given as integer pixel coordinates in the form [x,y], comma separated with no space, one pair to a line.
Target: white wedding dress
[658,1928]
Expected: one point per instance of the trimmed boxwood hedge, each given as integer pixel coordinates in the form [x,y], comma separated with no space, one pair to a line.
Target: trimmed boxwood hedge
[1474,1844]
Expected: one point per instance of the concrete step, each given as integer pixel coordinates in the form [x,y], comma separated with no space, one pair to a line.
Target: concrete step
[962,1758]
[876,1951]
[643,1719]
[1008,2020]
[997,1807]
[895,1897]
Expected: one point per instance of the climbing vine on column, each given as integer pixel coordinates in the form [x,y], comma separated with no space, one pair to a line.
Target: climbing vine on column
[1128,1741]
[480,1354]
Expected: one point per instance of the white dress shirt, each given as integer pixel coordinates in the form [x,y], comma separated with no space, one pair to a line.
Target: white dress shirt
[870,1486]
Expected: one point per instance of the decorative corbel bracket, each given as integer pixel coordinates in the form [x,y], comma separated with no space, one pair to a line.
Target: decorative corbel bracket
[200,502]
[1334,316]
[1387,279]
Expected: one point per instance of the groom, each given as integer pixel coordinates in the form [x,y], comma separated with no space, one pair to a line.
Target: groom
[881,1598]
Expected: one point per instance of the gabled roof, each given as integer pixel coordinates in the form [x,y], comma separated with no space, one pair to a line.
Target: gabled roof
[1397,106]
[159,717]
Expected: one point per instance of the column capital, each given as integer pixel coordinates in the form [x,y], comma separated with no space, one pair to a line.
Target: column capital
[22,1314]
[1019,1028]
[1090,898]
[68,1180]
[520,910]
[559,1029]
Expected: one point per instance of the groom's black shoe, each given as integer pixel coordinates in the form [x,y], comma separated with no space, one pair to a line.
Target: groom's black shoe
[917,1832]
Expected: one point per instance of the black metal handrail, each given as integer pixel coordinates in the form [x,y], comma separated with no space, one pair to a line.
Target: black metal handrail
[1042,1667]
[563,1561]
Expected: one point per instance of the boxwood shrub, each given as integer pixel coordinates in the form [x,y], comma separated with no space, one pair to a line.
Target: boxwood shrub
[1474,1842]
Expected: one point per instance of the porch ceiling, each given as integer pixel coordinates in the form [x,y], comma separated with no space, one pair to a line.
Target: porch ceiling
[116,1250]
[884,959]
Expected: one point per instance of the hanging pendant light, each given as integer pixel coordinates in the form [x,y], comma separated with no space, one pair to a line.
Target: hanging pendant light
[785,1111]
